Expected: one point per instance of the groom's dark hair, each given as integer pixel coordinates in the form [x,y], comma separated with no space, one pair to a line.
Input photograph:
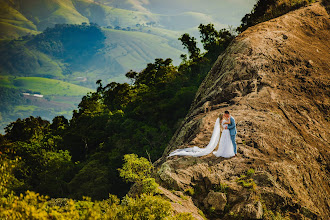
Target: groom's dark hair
[227,112]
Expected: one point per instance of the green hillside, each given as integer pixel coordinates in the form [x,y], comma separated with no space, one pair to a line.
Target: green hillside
[58,98]
[134,49]
[31,62]
[49,86]
[40,64]
[49,46]
[12,23]
[46,13]
[100,53]
[109,16]
[18,18]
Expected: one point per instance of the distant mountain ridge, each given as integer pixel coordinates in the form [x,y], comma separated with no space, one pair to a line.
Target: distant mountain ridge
[22,17]
[133,37]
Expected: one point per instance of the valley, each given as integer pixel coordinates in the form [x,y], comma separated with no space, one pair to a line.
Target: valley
[128,39]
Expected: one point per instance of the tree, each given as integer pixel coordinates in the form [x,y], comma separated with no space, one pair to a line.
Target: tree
[26,129]
[214,42]
[190,44]
[208,35]
[59,123]
[135,169]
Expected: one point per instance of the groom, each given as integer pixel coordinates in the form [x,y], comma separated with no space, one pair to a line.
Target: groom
[232,130]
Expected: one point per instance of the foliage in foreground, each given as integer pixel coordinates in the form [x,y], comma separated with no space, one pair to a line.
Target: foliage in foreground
[31,205]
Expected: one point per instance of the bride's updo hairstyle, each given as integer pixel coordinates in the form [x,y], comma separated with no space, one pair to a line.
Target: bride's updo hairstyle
[221,116]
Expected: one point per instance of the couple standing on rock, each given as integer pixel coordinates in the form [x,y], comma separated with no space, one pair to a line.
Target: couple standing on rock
[227,142]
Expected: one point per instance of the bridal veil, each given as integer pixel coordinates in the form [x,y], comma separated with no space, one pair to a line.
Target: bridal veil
[198,152]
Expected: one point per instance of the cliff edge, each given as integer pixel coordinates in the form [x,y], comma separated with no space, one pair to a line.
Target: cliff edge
[274,79]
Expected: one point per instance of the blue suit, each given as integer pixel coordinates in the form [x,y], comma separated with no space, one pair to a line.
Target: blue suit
[233,132]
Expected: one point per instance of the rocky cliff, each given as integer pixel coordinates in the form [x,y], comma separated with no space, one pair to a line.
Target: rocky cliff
[274,79]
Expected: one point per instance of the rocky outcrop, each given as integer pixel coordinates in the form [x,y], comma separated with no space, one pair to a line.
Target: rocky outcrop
[274,79]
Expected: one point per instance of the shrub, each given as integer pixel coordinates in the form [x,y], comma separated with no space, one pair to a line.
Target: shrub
[247,183]
[183,216]
[145,207]
[149,186]
[34,206]
[250,172]
[222,187]
[135,169]
[190,191]
[7,179]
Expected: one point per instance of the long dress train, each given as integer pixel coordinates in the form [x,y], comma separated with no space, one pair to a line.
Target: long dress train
[198,152]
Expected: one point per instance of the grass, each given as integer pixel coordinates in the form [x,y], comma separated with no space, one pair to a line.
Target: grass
[25,108]
[12,16]
[108,16]
[183,197]
[247,181]
[50,86]
[250,172]
[270,215]
[5,81]
[51,12]
[60,98]
[132,50]
[201,213]
[222,187]
[44,86]
[10,31]
[190,191]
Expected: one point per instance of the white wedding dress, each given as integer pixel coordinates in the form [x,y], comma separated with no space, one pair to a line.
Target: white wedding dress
[226,148]
[227,151]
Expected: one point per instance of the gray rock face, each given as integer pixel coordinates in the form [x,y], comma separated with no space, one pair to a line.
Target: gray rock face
[249,211]
[217,200]
[274,79]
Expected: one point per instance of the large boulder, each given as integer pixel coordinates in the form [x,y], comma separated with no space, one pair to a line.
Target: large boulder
[217,200]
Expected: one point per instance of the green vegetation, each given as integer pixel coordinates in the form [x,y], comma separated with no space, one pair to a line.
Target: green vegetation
[270,215]
[190,191]
[56,54]
[31,205]
[58,97]
[48,13]
[13,24]
[250,172]
[61,42]
[222,187]
[138,170]
[247,181]
[265,10]
[46,86]
[131,49]
[201,213]
[108,16]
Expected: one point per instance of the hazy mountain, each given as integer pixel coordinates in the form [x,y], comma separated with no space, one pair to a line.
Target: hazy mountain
[220,12]
[31,15]
[135,33]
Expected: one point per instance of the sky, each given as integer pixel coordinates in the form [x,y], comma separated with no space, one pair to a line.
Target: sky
[228,12]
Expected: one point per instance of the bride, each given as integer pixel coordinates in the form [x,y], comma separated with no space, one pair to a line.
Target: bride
[225,149]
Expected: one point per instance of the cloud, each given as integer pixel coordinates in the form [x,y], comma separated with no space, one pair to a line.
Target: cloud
[139,5]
